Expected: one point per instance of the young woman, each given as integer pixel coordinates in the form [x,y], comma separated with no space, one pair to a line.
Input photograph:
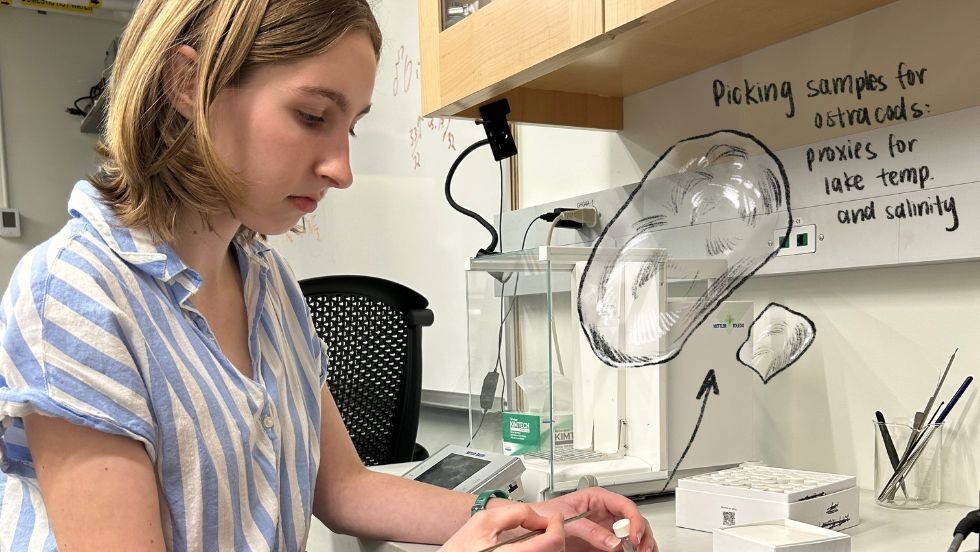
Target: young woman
[161,385]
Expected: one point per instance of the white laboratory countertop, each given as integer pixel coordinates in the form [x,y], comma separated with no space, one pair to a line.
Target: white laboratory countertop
[880,530]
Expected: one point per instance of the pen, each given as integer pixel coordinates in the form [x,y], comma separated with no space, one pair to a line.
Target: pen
[956,396]
[534,533]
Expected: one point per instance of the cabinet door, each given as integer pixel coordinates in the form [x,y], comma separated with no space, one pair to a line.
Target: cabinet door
[505,44]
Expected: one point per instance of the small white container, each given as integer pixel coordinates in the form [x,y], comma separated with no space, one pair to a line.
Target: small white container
[779,535]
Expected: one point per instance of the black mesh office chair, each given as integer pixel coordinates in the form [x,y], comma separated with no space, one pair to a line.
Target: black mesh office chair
[373,331]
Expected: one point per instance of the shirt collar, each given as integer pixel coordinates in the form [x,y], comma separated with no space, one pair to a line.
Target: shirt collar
[137,247]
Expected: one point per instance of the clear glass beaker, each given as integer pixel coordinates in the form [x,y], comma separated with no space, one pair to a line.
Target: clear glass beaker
[908,464]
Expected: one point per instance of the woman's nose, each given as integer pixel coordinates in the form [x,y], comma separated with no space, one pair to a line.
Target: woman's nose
[335,165]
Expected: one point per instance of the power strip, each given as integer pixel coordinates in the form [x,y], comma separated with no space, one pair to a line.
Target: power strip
[800,241]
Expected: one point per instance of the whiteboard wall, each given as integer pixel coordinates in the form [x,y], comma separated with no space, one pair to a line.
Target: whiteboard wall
[394,222]
[874,118]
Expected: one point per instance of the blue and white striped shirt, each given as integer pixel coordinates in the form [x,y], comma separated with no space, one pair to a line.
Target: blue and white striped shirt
[98,327]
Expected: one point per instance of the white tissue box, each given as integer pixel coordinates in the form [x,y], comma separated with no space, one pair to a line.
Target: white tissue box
[752,494]
[780,535]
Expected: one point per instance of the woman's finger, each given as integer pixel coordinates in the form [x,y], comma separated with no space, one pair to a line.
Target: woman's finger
[513,516]
[609,505]
[597,536]
[552,540]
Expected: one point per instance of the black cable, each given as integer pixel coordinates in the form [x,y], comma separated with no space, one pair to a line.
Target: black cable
[500,213]
[449,178]
[498,366]
[93,94]
[500,230]
[81,110]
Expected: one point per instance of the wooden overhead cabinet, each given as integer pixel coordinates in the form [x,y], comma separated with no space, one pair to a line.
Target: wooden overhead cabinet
[571,62]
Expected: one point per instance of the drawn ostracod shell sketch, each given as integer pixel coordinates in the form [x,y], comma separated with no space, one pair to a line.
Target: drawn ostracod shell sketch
[726,193]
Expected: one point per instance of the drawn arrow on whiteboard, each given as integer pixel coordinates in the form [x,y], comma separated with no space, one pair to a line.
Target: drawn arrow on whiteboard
[710,383]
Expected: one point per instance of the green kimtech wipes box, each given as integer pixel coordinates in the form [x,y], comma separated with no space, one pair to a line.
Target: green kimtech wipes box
[526,433]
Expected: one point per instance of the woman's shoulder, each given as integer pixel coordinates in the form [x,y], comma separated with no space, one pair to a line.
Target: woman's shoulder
[79,245]
[70,256]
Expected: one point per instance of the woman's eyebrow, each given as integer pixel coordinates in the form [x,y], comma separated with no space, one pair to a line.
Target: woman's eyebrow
[337,97]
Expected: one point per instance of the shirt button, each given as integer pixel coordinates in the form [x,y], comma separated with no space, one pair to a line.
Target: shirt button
[268,422]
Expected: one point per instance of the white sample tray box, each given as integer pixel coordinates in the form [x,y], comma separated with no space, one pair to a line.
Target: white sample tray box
[752,493]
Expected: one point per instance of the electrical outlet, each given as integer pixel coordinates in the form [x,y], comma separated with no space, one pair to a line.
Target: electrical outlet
[801,240]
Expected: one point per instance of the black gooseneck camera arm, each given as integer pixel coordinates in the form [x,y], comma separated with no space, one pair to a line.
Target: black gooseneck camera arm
[501,142]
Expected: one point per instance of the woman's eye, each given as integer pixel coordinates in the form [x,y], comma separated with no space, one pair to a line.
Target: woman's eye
[309,119]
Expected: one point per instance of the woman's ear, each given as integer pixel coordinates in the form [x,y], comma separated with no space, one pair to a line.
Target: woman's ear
[180,80]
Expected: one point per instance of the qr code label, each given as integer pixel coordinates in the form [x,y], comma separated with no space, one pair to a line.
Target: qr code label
[728,518]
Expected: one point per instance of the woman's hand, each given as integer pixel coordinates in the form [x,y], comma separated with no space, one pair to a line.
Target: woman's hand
[484,530]
[595,531]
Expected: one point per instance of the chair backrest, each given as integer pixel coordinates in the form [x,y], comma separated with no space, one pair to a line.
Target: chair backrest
[373,331]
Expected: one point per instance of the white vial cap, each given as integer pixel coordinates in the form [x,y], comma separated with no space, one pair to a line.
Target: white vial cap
[622,528]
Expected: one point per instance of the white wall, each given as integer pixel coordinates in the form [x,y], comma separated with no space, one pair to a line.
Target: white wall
[46,61]
[883,335]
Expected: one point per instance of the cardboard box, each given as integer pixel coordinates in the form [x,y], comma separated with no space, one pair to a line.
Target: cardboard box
[779,535]
[710,501]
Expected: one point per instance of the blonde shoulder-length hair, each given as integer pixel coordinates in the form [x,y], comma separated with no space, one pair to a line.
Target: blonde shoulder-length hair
[156,161]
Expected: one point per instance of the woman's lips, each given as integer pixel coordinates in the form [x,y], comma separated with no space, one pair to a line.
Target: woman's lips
[303,203]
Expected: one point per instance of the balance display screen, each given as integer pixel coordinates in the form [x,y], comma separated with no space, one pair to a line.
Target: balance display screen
[452,470]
